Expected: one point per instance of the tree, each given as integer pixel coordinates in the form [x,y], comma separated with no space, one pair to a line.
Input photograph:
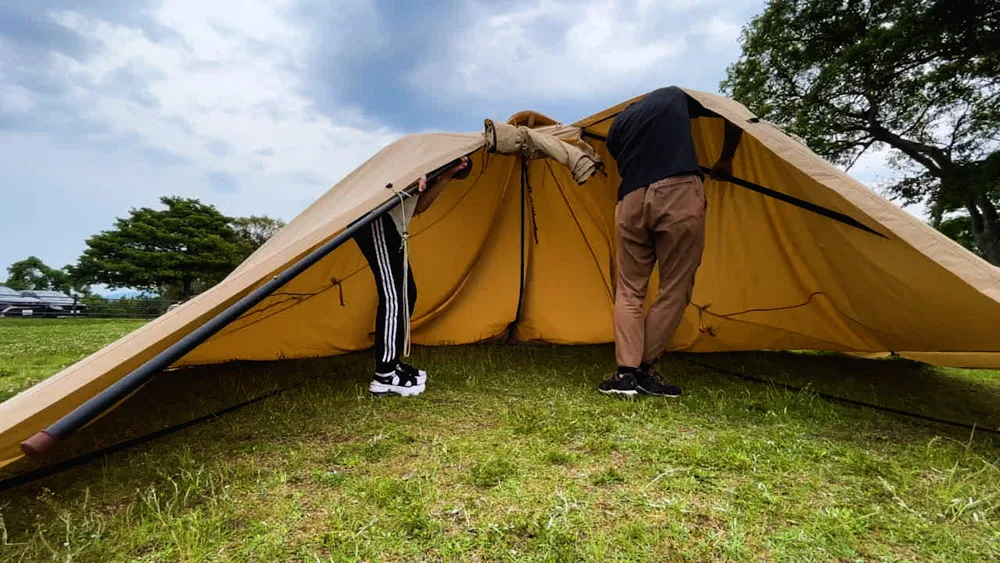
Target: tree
[188,245]
[255,230]
[959,229]
[921,77]
[31,273]
[75,282]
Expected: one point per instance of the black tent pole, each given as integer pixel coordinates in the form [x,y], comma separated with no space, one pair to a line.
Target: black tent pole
[39,444]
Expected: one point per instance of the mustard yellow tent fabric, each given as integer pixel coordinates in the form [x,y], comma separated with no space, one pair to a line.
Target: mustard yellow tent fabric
[520,250]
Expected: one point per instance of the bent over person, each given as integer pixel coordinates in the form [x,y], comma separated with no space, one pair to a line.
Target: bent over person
[382,245]
[661,222]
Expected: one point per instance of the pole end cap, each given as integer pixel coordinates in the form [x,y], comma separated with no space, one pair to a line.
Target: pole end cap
[38,445]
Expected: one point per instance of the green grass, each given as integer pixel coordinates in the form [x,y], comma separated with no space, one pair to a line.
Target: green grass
[33,349]
[511,454]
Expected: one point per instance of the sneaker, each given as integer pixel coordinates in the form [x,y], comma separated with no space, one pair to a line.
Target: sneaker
[650,381]
[621,384]
[397,382]
[420,374]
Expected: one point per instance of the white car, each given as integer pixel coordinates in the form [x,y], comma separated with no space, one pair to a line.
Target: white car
[57,303]
[14,304]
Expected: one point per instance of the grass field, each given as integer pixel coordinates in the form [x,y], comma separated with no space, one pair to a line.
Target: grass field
[512,455]
[33,349]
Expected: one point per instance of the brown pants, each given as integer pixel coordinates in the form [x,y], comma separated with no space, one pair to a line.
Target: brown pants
[663,223]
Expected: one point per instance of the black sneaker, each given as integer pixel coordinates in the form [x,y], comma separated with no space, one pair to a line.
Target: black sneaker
[649,381]
[397,382]
[621,384]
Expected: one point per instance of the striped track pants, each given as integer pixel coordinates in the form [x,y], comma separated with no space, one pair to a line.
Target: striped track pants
[381,245]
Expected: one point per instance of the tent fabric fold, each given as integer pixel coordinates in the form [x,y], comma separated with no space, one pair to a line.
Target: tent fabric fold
[509,139]
[774,275]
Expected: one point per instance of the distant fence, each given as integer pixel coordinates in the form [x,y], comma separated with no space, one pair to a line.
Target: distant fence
[126,308]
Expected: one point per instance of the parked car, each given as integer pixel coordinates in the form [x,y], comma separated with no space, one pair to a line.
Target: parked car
[57,303]
[13,304]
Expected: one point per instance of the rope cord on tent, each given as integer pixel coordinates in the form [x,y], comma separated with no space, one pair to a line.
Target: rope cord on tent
[705,328]
[526,184]
[521,273]
[844,400]
[579,227]
[59,467]
[405,214]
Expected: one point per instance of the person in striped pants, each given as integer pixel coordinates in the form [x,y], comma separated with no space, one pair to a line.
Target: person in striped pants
[382,245]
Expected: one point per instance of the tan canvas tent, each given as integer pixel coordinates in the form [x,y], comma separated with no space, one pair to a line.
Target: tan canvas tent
[798,256]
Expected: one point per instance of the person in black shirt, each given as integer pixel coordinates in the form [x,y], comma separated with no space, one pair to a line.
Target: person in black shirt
[661,220]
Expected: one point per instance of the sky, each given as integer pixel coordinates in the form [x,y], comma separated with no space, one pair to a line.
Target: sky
[260,107]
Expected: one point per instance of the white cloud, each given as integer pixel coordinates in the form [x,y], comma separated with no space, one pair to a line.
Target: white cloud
[15,98]
[579,49]
[223,91]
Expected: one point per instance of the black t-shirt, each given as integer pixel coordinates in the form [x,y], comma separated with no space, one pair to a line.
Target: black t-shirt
[651,139]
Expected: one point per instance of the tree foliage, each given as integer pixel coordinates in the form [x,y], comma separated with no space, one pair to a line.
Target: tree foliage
[32,273]
[255,230]
[959,229]
[921,77]
[187,243]
[176,252]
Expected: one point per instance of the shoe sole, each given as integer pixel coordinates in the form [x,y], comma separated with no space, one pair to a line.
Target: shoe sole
[658,394]
[630,394]
[382,390]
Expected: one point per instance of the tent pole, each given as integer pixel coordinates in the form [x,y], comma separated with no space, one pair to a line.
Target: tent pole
[41,442]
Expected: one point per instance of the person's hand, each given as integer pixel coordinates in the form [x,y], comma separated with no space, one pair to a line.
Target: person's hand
[422,184]
[722,170]
[458,167]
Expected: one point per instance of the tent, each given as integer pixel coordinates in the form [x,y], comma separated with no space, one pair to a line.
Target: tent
[798,256]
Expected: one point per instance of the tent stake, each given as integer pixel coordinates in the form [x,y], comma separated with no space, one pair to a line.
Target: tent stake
[38,445]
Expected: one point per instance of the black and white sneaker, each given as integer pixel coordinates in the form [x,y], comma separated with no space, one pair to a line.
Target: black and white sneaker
[420,374]
[650,382]
[621,384]
[397,382]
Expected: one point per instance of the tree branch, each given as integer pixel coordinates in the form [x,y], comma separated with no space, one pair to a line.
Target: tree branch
[975,216]
[989,212]
[955,131]
[932,158]
[864,147]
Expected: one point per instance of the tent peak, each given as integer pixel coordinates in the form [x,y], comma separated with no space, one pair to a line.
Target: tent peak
[531,119]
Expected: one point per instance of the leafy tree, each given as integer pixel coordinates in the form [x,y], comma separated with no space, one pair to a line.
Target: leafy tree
[959,229]
[32,273]
[255,230]
[186,245]
[75,283]
[921,77]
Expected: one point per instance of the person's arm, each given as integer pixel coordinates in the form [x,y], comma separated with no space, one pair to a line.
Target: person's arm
[724,167]
[429,194]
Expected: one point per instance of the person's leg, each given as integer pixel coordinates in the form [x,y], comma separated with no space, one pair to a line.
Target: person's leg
[365,239]
[677,218]
[389,247]
[635,264]
[386,262]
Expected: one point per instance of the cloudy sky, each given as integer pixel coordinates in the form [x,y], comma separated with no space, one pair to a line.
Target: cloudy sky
[259,107]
